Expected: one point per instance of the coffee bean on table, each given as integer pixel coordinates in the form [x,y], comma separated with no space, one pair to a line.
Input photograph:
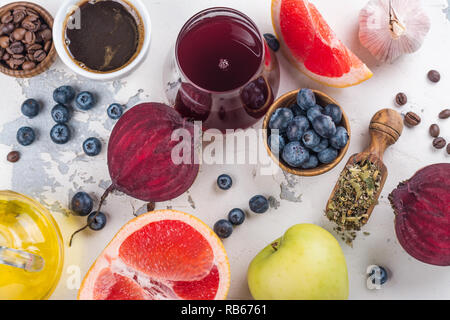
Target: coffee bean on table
[444,114]
[434,76]
[434,130]
[439,143]
[412,119]
[13,156]
[401,99]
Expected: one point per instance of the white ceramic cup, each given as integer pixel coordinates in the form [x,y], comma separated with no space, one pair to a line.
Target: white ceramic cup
[59,36]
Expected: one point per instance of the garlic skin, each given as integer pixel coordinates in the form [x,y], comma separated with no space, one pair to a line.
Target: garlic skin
[391,28]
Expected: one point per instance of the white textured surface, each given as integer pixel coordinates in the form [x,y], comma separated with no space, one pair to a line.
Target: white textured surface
[62,170]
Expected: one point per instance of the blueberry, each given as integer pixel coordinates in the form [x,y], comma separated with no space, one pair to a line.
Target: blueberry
[259,204]
[295,154]
[60,134]
[115,111]
[324,143]
[82,204]
[236,216]
[297,110]
[340,138]
[224,182]
[306,99]
[324,126]
[314,112]
[64,94]
[60,113]
[92,147]
[310,139]
[378,275]
[96,221]
[296,128]
[85,100]
[30,108]
[335,112]
[25,136]
[276,144]
[280,119]
[223,228]
[328,155]
[272,41]
[312,163]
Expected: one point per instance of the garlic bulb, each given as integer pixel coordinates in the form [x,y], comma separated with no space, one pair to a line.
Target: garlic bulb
[391,28]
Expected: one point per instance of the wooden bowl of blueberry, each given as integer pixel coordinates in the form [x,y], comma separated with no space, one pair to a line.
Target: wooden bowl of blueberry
[306,132]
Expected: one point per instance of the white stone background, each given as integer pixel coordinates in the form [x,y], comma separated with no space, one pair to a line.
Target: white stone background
[51,173]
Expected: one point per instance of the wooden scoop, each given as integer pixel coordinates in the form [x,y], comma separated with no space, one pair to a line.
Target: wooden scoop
[385,128]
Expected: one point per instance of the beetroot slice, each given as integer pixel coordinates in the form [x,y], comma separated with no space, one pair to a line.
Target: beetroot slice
[422,214]
[140,154]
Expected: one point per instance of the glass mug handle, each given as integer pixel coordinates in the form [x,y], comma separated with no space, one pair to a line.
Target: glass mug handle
[21,259]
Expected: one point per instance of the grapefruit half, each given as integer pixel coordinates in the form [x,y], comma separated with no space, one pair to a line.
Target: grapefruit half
[161,255]
[312,46]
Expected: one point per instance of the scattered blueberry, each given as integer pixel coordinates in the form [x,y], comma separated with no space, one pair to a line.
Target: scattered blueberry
[60,113]
[272,41]
[296,128]
[60,134]
[297,110]
[306,99]
[280,119]
[236,216]
[25,136]
[334,112]
[92,147]
[30,108]
[96,221]
[313,162]
[324,126]
[340,138]
[64,94]
[224,182]
[378,275]
[328,155]
[82,204]
[310,139]
[223,228]
[314,112]
[276,143]
[115,111]
[85,100]
[294,154]
[259,204]
[324,143]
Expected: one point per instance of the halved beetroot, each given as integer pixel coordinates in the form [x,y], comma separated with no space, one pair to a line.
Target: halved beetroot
[422,214]
[140,154]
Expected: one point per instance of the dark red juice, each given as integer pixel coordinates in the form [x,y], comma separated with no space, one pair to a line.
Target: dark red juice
[220,53]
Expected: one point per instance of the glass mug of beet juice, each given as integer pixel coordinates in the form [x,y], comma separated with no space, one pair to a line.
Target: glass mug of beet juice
[223,73]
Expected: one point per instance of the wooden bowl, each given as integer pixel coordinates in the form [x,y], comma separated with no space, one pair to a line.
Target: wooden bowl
[286,101]
[51,56]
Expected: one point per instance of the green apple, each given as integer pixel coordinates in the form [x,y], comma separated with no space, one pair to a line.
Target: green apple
[307,263]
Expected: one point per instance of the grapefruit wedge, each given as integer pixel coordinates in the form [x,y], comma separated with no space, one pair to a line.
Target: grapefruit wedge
[162,255]
[312,46]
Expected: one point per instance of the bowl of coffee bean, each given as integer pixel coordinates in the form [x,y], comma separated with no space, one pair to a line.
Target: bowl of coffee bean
[26,40]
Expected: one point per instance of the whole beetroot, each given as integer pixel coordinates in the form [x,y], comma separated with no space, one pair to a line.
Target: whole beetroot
[422,214]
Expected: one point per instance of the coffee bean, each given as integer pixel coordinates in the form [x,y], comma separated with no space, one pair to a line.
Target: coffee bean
[32,48]
[31,23]
[7,17]
[28,65]
[6,56]
[19,34]
[434,76]
[434,130]
[13,156]
[15,63]
[4,42]
[448,148]
[8,28]
[444,114]
[48,46]
[439,143]
[412,119]
[40,55]
[401,99]
[46,35]
[30,37]
[19,14]
[17,47]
